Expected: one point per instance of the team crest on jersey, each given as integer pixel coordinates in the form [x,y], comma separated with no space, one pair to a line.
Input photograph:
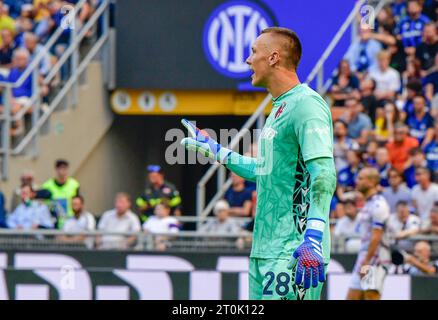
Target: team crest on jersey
[280,110]
[268,133]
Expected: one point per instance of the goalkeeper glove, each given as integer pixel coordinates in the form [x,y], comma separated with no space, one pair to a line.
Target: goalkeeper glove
[201,142]
[309,259]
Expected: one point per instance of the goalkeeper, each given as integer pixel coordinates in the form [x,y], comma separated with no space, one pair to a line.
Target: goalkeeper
[294,172]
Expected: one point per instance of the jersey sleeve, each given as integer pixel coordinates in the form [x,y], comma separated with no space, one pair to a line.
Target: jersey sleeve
[380,215]
[311,121]
[243,166]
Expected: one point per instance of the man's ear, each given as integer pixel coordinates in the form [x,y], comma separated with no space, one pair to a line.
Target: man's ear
[274,58]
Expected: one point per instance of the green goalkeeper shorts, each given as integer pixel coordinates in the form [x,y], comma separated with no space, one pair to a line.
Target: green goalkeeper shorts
[270,279]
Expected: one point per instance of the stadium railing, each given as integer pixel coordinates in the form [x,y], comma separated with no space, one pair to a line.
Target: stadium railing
[182,241]
[71,59]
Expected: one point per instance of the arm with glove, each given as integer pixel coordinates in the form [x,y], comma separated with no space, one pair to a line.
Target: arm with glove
[199,141]
[308,257]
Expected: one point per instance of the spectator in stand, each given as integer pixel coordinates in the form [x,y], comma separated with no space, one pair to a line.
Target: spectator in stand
[62,189]
[347,176]
[30,214]
[359,124]
[430,225]
[362,53]
[24,25]
[397,190]
[420,122]
[399,147]
[369,156]
[386,119]
[161,222]
[387,79]
[344,85]
[368,99]
[348,227]
[413,71]
[6,22]
[341,144]
[413,89]
[27,177]
[35,49]
[428,48]
[430,81]
[20,95]
[81,221]
[238,197]
[157,191]
[383,165]
[420,262]
[120,219]
[425,193]
[6,50]
[416,160]
[431,151]
[403,224]
[410,28]
[223,223]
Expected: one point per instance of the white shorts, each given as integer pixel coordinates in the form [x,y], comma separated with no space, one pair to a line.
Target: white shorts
[374,278]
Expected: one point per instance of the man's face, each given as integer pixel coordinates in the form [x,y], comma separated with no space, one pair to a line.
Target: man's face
[20,61]
[7,36]
[419,104]
[236,179]
[352,106]
[421,176]
[429,33]
[414,9]
[222,215]
[418,159]
[382,156]
[384,62]
[403,213]
[394,179]
[339,130]
[258,61]
[363,183]
[26,193]
[30,44]
[161,211]
[400,134]
[422,251]
[62,172]
[122,204]
[352,158]
[350,210]
[77,205]
[155,178]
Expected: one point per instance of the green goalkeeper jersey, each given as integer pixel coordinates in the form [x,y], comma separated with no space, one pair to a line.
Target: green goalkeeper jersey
[298,129]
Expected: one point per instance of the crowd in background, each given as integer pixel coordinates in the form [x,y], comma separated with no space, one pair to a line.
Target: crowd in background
[25,27]
[385,111]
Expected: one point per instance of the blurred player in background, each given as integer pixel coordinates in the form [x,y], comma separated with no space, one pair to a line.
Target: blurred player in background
[294,172]
[374,256]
